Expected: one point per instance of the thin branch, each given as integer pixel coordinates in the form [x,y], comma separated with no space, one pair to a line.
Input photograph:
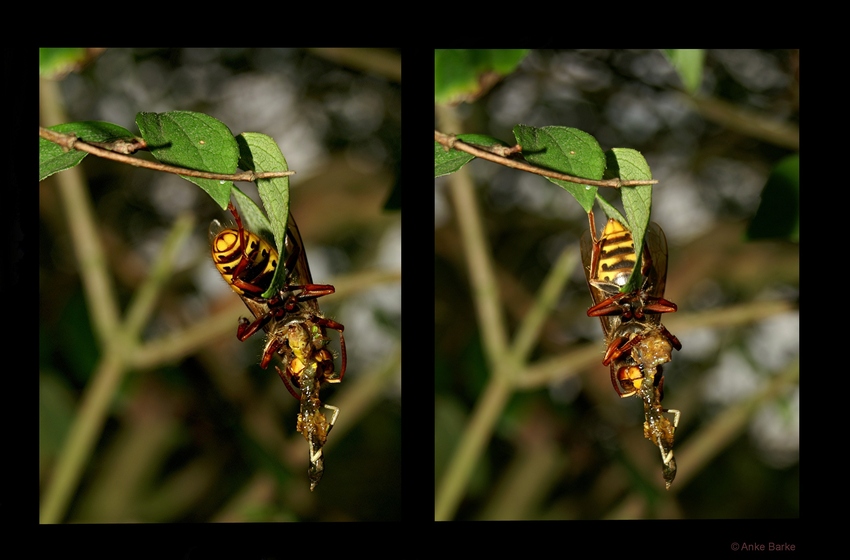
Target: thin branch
[450,141]
[71,142]
[99,394]
[90,254]
[751,123]
[478,432]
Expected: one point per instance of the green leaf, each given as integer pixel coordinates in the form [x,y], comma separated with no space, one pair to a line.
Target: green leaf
[253,217]
[611,211]
[261,154]
[688,63]
[195,141]
[52,158]
[446,162]
[778,214]
[630,165]
[466,75]
[568,150]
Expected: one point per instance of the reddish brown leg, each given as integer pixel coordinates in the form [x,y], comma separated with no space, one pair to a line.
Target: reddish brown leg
[271,349]
[619,347]
[245,260]
[306,292]
[331,324]
[612,306]
[608,306]
[288,382]
[247,328]
[659,305]
[242,285]
[313,291]
[591,221]
[671,337]
[310,291]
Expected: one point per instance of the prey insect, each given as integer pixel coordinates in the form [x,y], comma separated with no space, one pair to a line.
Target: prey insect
[295,327]
[637,344]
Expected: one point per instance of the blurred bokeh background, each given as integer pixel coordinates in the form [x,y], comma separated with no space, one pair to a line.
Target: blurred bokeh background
[563,445]
[196,431]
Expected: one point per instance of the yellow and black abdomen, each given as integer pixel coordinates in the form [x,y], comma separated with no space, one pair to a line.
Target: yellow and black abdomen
[616,255]
[257,270]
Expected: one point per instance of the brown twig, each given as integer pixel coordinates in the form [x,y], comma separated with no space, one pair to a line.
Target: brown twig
[71,142]
[450,141]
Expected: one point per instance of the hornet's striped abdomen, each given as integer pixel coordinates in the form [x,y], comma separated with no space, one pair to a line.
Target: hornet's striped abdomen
[227,253]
